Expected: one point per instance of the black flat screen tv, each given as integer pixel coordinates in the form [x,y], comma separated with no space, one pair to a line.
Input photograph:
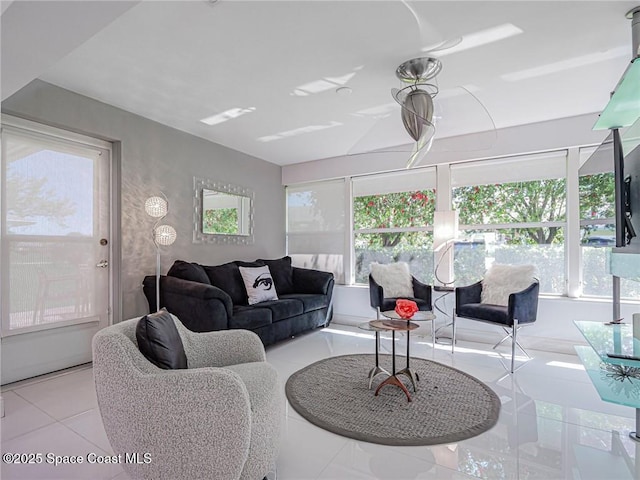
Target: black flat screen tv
[629,187]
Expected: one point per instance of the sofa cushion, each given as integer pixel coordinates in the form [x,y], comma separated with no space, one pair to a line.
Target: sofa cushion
[159,341]
[249,318]
[282,309]
[188,271]
[227,278]
[258,283]
[310,301]
[282,273]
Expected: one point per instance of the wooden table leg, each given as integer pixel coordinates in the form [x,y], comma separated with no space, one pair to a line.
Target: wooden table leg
[377,370]
[393,379]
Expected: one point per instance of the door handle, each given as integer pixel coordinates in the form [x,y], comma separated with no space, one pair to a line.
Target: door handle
[102,264]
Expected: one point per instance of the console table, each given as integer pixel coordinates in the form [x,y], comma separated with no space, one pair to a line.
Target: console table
[617,380]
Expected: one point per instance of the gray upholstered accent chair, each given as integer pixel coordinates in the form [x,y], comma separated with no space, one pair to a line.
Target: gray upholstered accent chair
[218,419]
[521,310]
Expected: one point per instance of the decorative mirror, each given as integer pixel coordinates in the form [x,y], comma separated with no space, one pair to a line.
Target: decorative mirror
[223,213]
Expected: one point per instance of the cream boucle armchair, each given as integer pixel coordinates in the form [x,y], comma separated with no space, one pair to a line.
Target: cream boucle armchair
[218,419]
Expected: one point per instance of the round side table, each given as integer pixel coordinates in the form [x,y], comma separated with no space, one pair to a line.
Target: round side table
[394,326]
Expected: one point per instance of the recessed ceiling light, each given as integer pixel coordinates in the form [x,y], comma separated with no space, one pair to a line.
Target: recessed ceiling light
[575,62]
[298,131]
[227,115]
[322,85]
[344,91]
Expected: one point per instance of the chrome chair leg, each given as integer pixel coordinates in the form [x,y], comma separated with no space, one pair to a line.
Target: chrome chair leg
[514,342]
[509,335]
[453,331]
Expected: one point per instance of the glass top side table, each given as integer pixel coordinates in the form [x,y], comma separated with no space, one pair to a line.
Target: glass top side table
[611,338]
[616,380]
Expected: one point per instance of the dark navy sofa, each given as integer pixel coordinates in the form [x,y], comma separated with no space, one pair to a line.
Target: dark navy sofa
[208,298]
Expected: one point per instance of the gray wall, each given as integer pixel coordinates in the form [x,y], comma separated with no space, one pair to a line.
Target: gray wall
[158,158]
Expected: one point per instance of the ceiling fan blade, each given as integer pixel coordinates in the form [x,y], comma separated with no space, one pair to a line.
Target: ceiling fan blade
[459,112]
[442,46]
[385,134]
[428,34]
[421,148]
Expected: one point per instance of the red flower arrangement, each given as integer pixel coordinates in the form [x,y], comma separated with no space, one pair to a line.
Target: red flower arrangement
[406,308]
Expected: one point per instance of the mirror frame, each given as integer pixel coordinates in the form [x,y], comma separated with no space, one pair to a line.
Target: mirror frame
[200,184]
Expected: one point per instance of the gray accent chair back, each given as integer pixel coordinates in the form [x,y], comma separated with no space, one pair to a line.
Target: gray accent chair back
[219,419]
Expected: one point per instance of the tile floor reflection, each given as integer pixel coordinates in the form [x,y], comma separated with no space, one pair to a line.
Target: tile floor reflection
[553,424]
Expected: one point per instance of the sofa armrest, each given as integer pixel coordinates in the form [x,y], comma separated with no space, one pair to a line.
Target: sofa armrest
[306,280]
[376,293]
[523,305]
[219,349]
[201,307]
[468,294]
[422,291]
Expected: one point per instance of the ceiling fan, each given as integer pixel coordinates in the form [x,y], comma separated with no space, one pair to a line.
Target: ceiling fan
[427,112]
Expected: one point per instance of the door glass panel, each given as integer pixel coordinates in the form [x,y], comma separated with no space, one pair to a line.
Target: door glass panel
[52,223]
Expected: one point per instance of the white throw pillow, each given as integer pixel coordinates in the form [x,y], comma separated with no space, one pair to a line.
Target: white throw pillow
[502,280]
[259,284]
[394,278]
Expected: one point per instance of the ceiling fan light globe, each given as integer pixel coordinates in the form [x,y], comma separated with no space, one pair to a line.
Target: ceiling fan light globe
[417,113]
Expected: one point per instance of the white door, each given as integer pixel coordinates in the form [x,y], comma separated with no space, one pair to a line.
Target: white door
[55,245]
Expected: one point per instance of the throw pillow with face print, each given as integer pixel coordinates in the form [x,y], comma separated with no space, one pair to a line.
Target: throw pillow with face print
[259,284]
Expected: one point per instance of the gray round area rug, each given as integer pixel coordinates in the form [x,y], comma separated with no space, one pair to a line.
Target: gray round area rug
[448,406]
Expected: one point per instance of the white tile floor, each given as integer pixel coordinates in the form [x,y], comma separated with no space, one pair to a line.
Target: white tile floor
[560,430]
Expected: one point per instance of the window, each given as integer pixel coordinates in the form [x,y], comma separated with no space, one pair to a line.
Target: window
[393,221]
[316,226]
[511,211]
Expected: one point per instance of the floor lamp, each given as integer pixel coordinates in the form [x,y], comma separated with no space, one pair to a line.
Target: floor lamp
[445,232]
[163,235]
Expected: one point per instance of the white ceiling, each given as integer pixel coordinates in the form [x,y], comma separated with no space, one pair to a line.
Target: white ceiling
[179,62]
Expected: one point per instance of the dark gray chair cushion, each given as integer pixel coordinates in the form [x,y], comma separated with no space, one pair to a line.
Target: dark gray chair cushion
[389,303]
[188,271]
[159,341]
[485,311]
